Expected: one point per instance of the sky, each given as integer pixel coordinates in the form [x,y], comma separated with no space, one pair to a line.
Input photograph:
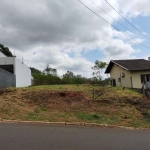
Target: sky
[69,37]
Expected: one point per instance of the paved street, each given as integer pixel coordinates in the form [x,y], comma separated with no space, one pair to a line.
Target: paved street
[51,137]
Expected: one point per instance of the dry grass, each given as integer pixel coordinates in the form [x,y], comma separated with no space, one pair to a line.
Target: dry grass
[74,103]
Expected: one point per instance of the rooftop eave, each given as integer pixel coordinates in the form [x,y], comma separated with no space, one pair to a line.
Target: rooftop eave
[119,65]
[109,66]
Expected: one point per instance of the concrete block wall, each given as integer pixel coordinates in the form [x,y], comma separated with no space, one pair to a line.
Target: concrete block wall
[7,79]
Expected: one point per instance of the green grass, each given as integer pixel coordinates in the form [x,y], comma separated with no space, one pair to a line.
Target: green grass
[97,118]
[69,87]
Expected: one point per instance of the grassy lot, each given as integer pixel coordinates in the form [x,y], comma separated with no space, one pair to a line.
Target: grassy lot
[74,103]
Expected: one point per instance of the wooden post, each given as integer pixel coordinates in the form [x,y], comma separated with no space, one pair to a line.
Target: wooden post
[93,94]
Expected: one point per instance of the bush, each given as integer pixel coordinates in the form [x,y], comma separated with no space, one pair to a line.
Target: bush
[41,79]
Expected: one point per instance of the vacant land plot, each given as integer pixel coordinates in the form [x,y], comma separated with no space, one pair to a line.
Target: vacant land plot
[74,103]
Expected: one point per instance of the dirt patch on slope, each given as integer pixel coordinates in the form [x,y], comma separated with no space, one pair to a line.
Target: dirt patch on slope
[53,100]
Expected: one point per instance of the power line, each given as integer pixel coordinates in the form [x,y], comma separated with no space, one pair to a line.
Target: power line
[131,25]
[126,20]
[109,15]
[113,25]
[115,21]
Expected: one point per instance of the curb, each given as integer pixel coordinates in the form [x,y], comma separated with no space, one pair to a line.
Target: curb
[72,124]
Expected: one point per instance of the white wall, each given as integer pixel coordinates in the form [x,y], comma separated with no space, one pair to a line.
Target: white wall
[2,55]
[22,72]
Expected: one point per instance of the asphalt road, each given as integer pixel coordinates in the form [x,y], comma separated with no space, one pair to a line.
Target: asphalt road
[49,137]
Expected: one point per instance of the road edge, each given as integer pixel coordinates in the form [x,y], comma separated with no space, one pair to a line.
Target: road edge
[72,124]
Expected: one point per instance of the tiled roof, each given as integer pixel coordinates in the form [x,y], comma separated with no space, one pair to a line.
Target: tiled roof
[131,64]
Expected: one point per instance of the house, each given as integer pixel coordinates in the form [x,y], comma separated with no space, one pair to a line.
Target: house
[13,72]
[129,73]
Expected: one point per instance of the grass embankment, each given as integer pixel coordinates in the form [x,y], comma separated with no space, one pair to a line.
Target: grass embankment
[74,103]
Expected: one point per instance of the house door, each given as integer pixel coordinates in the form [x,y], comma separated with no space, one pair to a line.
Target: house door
[114,82]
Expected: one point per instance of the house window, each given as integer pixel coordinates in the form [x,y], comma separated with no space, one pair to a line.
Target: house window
[119,79]
[145,77]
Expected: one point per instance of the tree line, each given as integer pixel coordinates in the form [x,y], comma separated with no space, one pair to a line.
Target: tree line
[49,76]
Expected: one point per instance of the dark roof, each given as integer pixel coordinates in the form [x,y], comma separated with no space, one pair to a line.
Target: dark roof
[130,64]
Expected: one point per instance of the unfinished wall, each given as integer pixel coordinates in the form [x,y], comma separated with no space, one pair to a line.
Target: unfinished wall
[7,79]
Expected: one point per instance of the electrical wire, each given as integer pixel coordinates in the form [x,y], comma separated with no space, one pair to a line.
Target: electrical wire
[113,25]
[144,54]
[109,15]
[116,21]
[127,20]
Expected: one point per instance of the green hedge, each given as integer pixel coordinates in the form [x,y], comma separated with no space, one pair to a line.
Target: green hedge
[41,79]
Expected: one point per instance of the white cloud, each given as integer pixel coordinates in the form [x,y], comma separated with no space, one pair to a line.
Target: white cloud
[60,60]
[50,31]
[130,8]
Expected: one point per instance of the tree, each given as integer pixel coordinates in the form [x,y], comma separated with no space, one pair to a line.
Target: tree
[53,71]
[78,76]
[34,70]
[5,51]
[68,74]
[98,67]
[50,71]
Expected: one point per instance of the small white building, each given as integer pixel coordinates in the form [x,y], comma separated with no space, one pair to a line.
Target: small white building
[21,71]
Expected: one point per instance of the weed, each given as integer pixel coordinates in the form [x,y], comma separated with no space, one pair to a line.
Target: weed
[60,87]
[89,117]
[37,110]
[43,108]
[31,116]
